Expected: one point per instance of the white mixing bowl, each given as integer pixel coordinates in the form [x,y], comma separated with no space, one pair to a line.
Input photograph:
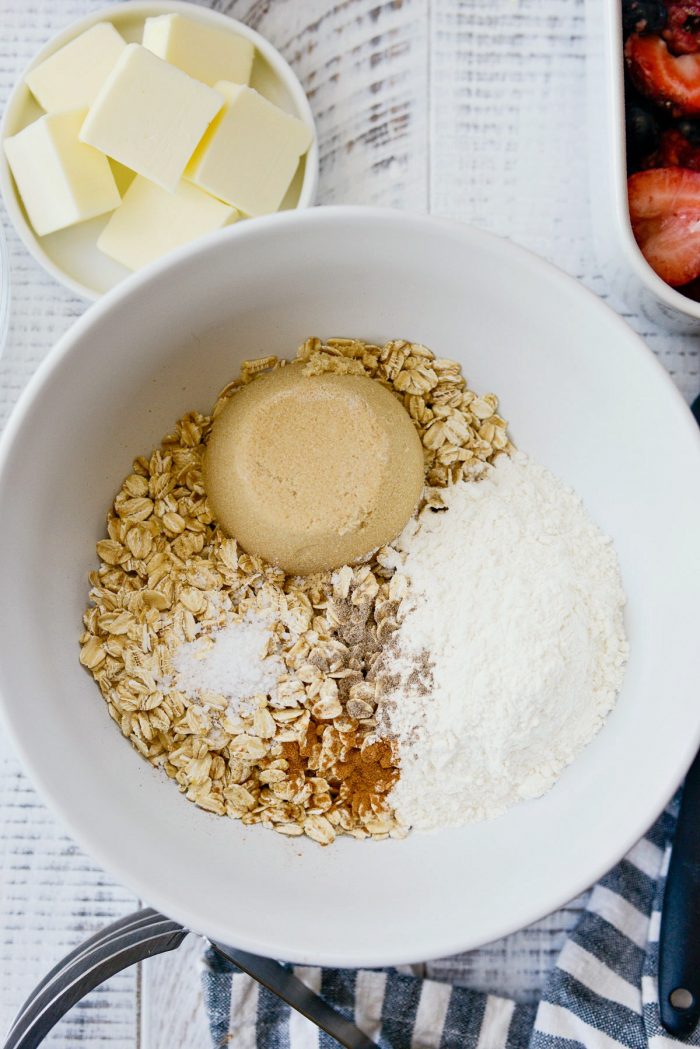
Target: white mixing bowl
[583,395]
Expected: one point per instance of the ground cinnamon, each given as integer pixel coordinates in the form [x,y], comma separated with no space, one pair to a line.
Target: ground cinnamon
[367,772]
[295,762]
[363,773]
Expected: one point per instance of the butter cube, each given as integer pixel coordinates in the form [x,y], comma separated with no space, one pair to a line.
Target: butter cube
[149,116]
[60,180]
[151,221]
[204,52]
[71,77]
[250,153]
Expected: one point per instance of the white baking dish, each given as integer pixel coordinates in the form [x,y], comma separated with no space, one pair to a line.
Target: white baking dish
[620,260]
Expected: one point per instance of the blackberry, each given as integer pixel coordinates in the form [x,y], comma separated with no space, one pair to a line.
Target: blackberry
[642,134]
[690,130]
[643,16]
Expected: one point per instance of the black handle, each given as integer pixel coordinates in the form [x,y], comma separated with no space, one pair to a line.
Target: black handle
[132,939]
[679,937]
[679,942]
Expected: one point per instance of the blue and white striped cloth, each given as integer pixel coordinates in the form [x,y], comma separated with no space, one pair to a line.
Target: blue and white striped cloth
[602,993]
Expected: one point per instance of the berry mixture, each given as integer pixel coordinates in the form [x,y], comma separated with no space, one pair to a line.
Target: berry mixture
[662,99]
[682,30]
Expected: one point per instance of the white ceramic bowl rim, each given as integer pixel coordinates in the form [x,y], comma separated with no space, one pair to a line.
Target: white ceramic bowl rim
[137,9]
[160,895]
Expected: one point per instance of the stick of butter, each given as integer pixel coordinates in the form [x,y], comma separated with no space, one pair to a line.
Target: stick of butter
[151,221]
[71,77]
[250,153]
[149,116]
[205,53]
[60,179]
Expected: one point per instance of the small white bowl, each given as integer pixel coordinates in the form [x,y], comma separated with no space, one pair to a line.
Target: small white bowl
[626,270]
[71,255]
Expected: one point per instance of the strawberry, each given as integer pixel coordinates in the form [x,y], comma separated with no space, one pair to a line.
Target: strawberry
[682,32]
[670,80]
[664,208]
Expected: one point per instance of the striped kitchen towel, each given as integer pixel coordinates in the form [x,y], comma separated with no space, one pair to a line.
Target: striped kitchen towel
[600,995]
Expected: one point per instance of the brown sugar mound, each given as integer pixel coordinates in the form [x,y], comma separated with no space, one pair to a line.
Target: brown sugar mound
[311,472]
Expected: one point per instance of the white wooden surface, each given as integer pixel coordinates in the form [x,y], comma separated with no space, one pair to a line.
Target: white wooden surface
[466,108]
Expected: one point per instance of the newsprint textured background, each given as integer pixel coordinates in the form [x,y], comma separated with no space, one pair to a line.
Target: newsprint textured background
[471,109]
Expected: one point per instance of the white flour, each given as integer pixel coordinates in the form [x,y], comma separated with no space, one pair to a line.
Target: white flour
[516,595]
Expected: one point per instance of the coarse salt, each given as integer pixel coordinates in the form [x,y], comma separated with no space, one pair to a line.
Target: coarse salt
[231,662]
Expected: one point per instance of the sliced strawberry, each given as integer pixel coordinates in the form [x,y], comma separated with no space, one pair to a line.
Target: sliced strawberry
[671,246]
[682,32]
[662,191]
[665,212]
[670,80]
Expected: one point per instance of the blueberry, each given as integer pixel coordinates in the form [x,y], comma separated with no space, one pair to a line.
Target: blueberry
[690,130]
[642,133]
[643,16]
